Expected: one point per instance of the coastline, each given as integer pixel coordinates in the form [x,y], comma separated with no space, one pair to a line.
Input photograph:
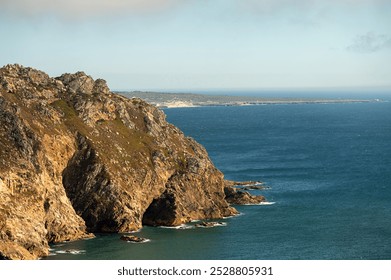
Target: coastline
[187,100]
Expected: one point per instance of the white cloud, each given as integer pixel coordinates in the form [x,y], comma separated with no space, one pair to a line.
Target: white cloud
[273,5]
[83,8]
[370,42]
[87,8]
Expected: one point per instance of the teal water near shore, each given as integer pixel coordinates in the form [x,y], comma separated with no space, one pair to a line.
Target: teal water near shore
[329,170]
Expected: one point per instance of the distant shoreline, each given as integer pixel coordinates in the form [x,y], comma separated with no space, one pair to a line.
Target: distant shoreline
[187,100]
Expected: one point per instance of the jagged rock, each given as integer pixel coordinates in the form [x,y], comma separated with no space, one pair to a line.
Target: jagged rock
[239,197]
[76,158]
[133,238]
[256,185]
[12,251]
[100,87]
[78,83]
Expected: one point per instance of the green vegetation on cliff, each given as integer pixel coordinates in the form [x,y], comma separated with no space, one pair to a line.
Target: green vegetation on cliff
[76,158]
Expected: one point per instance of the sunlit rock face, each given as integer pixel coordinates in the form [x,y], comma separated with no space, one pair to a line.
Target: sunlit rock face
[76,158]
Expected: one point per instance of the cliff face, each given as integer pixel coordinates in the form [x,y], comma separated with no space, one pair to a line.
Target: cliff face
[76,158]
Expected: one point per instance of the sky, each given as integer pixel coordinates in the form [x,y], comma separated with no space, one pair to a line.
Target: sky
[203,44]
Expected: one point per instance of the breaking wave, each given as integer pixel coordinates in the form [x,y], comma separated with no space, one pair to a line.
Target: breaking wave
[183,226]
[143,241]
[70,251]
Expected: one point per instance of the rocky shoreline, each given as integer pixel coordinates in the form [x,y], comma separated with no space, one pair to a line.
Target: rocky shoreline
[76,159]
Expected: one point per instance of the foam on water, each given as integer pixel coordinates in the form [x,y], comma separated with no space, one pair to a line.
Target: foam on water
[143,241]
[253,185]
[211,225]
[183,226]
[70,251]
[220,224]
[267,203]
[233,216]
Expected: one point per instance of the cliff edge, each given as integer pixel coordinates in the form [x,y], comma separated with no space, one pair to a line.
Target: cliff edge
[76,158]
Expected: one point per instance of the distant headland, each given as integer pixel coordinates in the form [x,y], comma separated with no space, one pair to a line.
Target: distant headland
[179,100]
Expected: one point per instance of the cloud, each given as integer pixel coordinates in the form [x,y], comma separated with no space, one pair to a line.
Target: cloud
[309,13]
[370,42]
[75,9]
[83,8]
[265,6]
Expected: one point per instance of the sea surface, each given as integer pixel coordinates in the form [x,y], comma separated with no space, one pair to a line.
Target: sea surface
[328,167]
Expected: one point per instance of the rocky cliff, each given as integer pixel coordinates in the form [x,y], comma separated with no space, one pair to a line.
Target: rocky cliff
[76,158]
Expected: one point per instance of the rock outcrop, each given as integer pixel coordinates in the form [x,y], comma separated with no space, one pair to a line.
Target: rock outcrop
[238,196]
[236,193]
[76,158]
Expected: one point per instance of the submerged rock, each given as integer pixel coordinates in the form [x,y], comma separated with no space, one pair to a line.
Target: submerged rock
[133,238]
[76,158]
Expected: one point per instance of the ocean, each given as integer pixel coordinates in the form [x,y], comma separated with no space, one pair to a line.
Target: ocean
[328,169]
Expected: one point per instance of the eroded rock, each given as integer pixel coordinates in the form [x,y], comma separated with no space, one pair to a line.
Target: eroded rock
[76,158]
[237,196]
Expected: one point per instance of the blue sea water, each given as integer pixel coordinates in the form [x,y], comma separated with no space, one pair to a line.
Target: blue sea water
[328,167]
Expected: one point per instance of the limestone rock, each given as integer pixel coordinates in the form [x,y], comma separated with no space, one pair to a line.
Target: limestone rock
[77,158]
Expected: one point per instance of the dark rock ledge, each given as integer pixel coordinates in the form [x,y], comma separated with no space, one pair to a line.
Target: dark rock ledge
[236,194]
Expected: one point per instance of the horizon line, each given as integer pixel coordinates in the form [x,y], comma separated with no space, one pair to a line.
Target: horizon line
[262,89]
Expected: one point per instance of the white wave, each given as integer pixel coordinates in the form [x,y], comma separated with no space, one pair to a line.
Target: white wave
[143,241]
[70,251]
[267,203]
[135,231]
[77,252]
[183,226]
[61,252]
[212,224]
[261,203]
[253,185]
[233,216]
